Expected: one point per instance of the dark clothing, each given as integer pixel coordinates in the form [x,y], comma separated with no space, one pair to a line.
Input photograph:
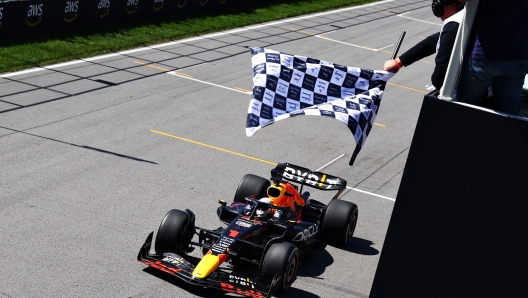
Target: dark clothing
[500,31]
[427,47]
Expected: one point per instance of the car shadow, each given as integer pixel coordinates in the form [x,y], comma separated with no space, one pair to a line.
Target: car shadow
[360,246]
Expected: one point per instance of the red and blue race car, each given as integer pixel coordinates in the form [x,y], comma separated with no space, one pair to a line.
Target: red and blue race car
[271,225]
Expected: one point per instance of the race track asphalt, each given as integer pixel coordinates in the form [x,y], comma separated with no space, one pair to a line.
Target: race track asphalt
[95,152]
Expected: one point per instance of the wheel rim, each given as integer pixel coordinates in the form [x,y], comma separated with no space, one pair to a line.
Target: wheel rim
[351,227]
[290,270]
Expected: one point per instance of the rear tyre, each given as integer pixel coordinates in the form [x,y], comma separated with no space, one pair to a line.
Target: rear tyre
[339,222]
[281,258]
[175,232]
[251,185]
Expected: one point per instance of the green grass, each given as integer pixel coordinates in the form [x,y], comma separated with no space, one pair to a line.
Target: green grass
[45,49]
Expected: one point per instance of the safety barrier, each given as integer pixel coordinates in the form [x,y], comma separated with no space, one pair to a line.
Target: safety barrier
[38,16]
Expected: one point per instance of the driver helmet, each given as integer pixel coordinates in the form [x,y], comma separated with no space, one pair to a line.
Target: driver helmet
[263,210]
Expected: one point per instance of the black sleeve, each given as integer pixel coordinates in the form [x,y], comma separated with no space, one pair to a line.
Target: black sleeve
[444,54]
[421,50]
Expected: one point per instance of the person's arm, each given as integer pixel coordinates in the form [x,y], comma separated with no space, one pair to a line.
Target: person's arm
[421,50]
[447,42]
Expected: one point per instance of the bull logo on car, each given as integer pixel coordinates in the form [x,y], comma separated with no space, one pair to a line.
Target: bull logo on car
[306,234]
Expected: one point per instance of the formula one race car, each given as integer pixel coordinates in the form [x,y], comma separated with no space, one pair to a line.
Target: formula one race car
[275,227]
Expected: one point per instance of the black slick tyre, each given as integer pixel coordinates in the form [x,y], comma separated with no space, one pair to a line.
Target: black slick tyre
[281,260]
[251,185]
[339,222]
[175,232]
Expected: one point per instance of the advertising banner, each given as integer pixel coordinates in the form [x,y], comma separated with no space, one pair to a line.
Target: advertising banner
[39,16]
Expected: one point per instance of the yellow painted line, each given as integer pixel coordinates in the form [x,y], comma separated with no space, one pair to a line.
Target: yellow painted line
[242,89]
[386,11]
[161,68]
[379,124]
[409,88]
[213,147]
[302,31]
[385,51]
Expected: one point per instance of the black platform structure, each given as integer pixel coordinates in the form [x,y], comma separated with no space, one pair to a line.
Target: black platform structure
[459,227]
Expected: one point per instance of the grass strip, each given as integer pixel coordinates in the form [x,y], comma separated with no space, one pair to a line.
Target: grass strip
[44,49]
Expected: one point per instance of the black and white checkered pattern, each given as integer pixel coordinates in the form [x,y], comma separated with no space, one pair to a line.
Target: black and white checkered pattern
[288,85]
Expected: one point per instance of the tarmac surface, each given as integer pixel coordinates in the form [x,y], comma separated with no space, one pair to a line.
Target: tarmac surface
[94,152]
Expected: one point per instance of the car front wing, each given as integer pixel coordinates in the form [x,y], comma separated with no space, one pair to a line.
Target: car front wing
[176,265]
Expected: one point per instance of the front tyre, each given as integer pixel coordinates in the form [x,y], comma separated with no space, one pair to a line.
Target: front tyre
[175,232]
[281,260]
[339,222]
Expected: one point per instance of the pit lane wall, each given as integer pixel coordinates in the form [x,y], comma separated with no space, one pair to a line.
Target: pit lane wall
[460,221]
[37,16]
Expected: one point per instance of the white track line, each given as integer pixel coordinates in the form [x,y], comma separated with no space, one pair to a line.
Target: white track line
[386,47]
[216,85]
[348,44]
[330,162]
[418,20]
[372,194]
[355,189]
[186,40]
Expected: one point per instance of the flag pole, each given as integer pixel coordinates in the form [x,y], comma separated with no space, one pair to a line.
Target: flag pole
[398,45]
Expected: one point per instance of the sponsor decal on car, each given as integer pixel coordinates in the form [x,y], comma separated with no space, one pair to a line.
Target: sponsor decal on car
[159,265]
[243,281]
[233,289]
[173,260]
[222,244]
[306,234]
[244,223]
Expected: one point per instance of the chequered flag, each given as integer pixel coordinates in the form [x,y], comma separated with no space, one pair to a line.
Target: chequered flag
[288,85]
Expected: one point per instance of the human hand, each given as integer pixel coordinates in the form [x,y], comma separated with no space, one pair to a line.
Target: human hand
[391,65]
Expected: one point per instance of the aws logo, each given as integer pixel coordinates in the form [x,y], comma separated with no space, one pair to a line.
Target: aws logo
[132,6]
[34,15]
[158,5]
[181,3]
[70,11]
[103,8]
[204,2]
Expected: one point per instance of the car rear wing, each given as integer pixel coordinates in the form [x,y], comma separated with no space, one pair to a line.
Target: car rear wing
[305,176]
